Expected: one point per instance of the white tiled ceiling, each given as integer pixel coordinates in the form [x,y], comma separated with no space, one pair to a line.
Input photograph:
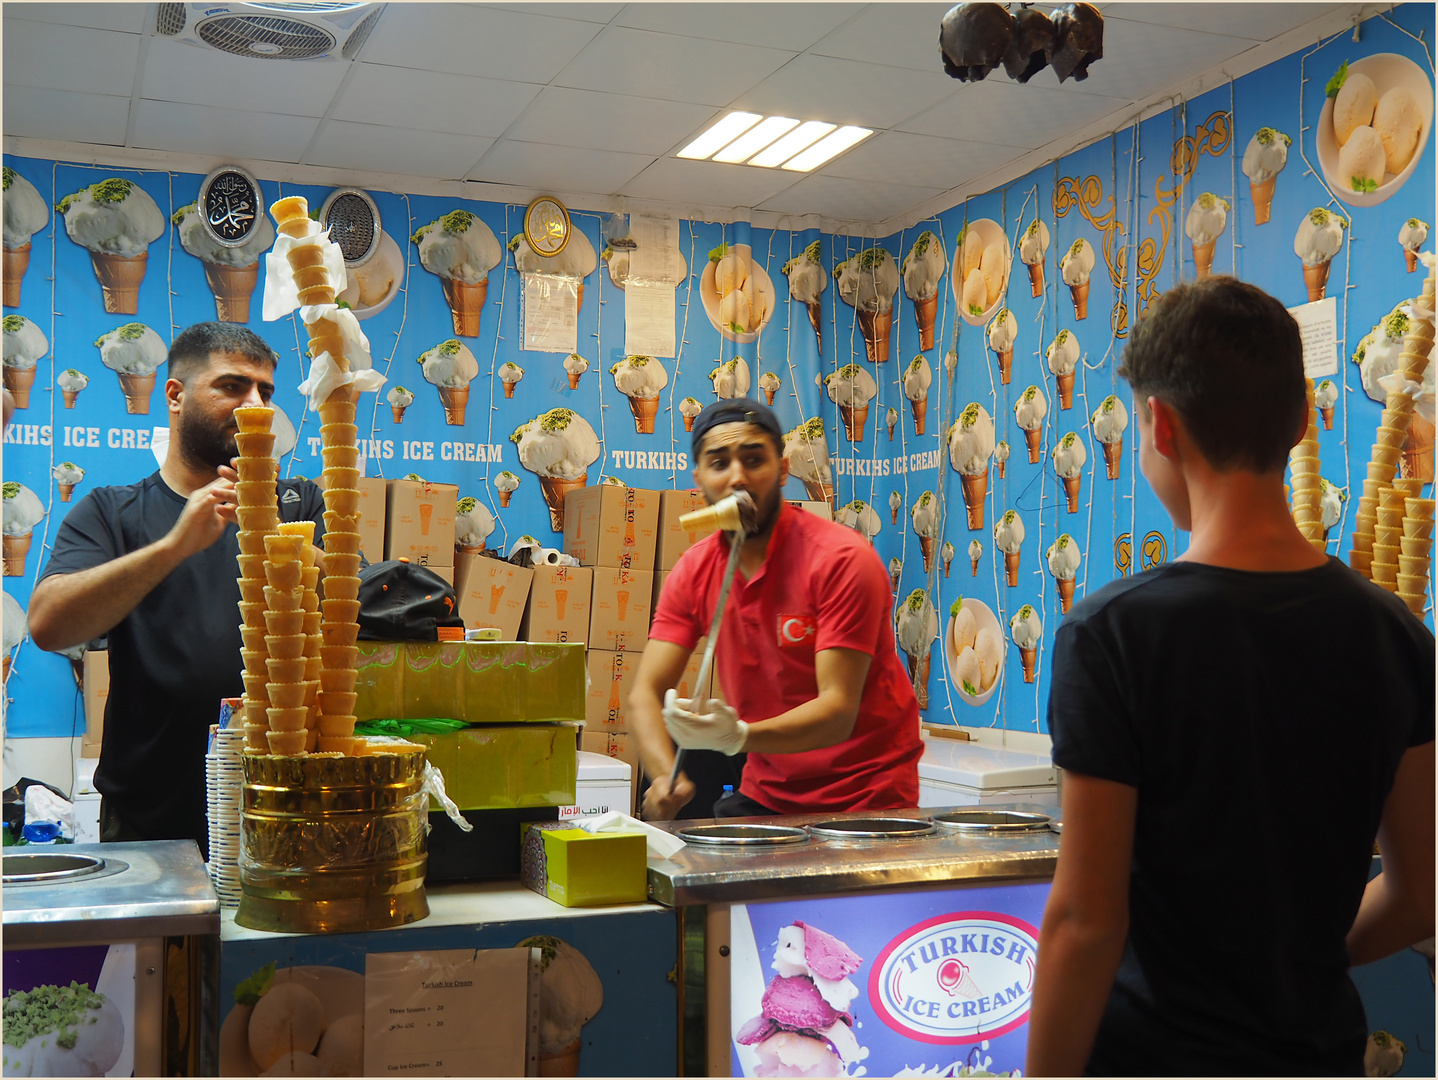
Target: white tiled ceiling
[593,99]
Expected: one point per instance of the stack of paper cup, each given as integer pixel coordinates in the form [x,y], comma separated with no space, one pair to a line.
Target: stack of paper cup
[285,640]
[258,514]
[1415,552]
[1307,497]
[224,778]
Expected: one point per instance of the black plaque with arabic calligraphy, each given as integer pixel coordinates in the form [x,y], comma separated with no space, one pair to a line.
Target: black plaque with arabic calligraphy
[229,205]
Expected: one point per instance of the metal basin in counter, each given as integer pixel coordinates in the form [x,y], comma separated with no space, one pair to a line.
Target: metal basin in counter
[991,821]
[36,868]
[871,828]
[742,837]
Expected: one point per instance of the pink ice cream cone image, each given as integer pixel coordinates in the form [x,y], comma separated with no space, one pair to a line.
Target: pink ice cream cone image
[462,250]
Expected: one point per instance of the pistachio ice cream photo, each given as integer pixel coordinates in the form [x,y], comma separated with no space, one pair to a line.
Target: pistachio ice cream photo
[896,503]
[1109,421]
[861,517]
[806,449]
[896,571]
[689,409]
[1206,220]
[71,381]
[558,447]
[807,281]
[1029,412]
[1331,498]
[976,553]
[946,554]
[574,367]
[731,378]
[1318,239]
[1033,245]
[1263,159]
[1076,266]
[133,352]
[917,378]
[510,375]
[1070,456]
[640,378]
[22,512]
[852,388]
[505,483]
[925,517]
[66,475]
[570,995]
[25,213]
[1027,630]
[951,364]
[971,442]
[1009,538]
[461,250]
[1063,558]
[737,294]
[867,282]
[891,420]
[399,399]
[117,221]
[450,366]
[1325,398]
[14,626]
[923,270]
[770,384]
[1003,330]
[1063,358]
[916,627]
[24,343]
[1380,353]
[575,263]
[1001,456]
[472,525]
[61,1031]
[1412,235]
[230,271]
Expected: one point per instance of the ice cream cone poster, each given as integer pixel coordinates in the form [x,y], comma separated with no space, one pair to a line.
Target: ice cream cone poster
[891,420]
[975,648]
[510,375]
[66,476]
[951,364]
[450,366]
[1319,238]
[1009,539]
[1263,159]
[916,628]
[770,384]
[230,271]
[558,447]
[506,483]
[22,512]
[574,368]
[1001,456]
[896,503]
[472,525]
[1027,630]
[946,554]
[861,517]
[917,378]
[1029,412]
[1033,245]
[575,262]
[1331,500]
[571,994]
[852,389]
[1380,353]
[867,282]
[1064,557]
[980,270]
[1076,266]
[976,555]
[1070,456]
[923,270]
[1325,399]
[24,344]
[807,451]
[25,213]
[689,410]
[1063,358]
[640,378]
[14,626]
[731,378]
[399,399]
[117,221]
[461,250]
[1003,330]
[807,281]
[925,517]
[737,294]
[1109,421]
[1412,234]
[1375,122]
[971,441]
[133,352]
[1206,220]
[896,571]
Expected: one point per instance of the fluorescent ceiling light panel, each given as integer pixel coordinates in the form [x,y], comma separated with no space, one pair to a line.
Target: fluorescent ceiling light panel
[755,139]
[799,139]
[830,146]
[720,135]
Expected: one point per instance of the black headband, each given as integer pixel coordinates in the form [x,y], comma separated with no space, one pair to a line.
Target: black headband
[734,411]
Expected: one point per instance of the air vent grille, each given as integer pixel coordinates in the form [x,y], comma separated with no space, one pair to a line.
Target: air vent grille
[273,38]
[361,33]
[169,19]
[353,225]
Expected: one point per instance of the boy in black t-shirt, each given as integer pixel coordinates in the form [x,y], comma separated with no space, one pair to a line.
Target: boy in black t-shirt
[1236,727]
[153,566]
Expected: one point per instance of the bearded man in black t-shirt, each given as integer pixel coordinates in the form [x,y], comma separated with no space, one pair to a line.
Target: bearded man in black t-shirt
[153,566]
[1235,727]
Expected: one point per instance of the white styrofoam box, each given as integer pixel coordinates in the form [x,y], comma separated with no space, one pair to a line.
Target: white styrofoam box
[603,785]
[957,773]
[85,776]
[87,819]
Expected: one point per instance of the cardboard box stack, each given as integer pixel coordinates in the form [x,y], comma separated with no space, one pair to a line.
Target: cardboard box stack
[96,683]
[419,523]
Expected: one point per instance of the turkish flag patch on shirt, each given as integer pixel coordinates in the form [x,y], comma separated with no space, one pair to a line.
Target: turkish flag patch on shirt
[796,630]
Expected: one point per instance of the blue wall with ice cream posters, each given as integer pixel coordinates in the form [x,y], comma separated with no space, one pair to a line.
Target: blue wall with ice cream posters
[952,386]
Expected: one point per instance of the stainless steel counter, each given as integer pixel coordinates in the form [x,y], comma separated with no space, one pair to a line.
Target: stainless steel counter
[698,875]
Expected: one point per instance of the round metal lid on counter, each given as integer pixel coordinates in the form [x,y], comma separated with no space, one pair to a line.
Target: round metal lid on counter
[981,821]
[871,828]
[742,835]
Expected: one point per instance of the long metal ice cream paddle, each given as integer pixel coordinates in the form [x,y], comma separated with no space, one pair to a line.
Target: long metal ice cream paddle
[735,514]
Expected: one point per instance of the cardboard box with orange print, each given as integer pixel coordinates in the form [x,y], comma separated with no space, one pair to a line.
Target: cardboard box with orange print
[419,522]
[611,525]
[619,611]
[372,517]
[611,677]
[559,603]
[495,594]
[674,541]
[95,678]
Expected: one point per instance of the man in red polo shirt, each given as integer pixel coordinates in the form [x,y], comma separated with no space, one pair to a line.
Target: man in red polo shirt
[819,699]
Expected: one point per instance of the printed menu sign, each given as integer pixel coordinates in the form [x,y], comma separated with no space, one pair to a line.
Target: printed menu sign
[551,313]
[1318,323]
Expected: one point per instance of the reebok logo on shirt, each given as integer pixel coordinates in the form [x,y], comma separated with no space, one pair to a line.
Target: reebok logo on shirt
[794,630]
[290,496]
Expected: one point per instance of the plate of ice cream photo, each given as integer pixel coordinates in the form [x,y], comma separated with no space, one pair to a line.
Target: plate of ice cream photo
[1374,125]
[371,287]
[295,1019]
[981,270]
[974,646]
[737,294]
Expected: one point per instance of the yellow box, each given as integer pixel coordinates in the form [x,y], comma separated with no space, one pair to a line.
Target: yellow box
[583,869]
[503,766]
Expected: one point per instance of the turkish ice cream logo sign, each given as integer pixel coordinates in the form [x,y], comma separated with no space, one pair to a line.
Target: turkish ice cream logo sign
[956,978]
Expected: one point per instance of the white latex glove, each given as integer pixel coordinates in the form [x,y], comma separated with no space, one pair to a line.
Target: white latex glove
[720,730]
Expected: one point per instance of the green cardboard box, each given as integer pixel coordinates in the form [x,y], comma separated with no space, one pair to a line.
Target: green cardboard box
[379,680]
[583,869]
[504,766]
[479,682]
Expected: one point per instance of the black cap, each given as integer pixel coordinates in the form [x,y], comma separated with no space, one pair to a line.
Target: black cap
[403,601]
[739,410]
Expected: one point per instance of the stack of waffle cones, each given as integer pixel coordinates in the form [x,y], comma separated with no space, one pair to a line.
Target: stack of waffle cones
[287,618]
[1415,552]
[1387,534]
[258,516]
[1307,503]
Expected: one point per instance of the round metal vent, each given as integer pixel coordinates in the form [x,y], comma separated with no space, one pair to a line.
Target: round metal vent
[360,34]
[169,19]
[353,221]
[272,37]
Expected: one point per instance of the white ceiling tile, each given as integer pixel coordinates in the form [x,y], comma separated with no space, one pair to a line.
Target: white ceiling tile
[369,147]
[395,96]
[598,121]
[846,92]
[645,64]
[1009,114]
[594,13]
[486,41]
[778,26]
[1255,22]
[126,18]
[558,168]
[1140,59]
[75,58]
[902,35]
[175,71]
[200,129]
[849,200]
[917,160]
[706,182]
[65,117]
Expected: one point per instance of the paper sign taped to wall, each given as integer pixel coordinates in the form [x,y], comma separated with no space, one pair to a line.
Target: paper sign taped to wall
[551,313]
[1318,323]
[649,319]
